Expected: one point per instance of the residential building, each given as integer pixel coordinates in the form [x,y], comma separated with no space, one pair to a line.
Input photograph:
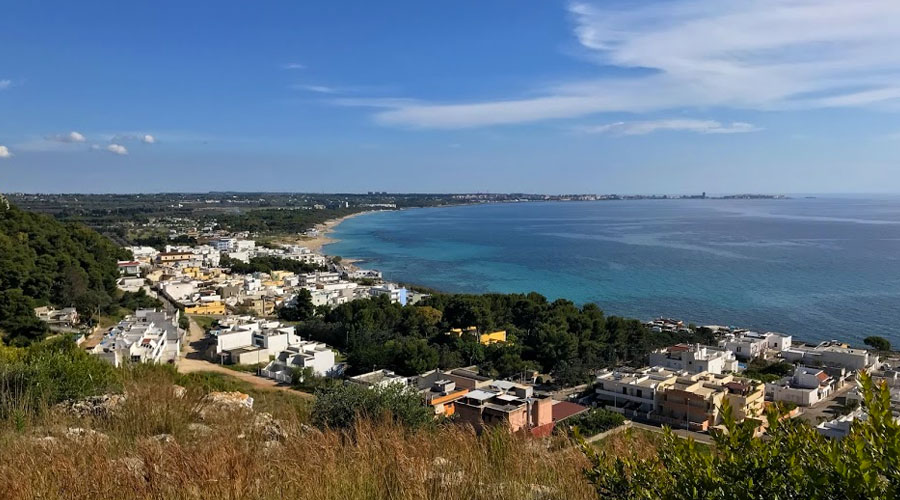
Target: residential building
[483,408]
[695,401]
[66,317]
[806,387]
[129,267]
[379,378]
[393,292]
[305,354]
[253,341]
[695,358]
[173,257]
[210,308]
[633,392]
[832,353]
[483,338]
[147,336]
[747,344]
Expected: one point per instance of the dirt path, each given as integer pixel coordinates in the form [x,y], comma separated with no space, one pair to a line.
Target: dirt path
[192,361]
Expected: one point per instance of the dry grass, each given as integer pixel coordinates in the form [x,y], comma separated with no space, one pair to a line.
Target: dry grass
[227,457]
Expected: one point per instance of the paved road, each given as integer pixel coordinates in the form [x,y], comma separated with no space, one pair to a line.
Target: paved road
[684,433]
[192,361]
[828,408]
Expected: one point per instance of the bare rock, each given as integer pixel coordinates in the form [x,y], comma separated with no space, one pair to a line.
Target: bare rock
[94,406]
[220,402]
[82,434]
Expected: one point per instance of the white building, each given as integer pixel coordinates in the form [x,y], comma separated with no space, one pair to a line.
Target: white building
[394,292]
[633,391]
[695,358]
[315,355]
[253,341]
[379,378]
[806,387]
[178,290]
[147,336]
[834,354]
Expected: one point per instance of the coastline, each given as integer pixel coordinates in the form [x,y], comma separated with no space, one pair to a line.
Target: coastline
[317,243]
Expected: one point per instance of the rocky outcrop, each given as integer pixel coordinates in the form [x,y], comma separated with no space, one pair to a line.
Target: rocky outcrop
[95,406]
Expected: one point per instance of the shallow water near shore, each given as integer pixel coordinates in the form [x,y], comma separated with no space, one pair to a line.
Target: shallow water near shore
[818,268]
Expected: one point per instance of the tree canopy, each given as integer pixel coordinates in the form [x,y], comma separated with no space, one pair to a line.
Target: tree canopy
[555,337]
[43,261]
[793,461]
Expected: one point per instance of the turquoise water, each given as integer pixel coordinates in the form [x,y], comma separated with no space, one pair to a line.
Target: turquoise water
[816,268]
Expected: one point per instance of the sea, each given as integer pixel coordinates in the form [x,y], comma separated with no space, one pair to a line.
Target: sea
[818,268]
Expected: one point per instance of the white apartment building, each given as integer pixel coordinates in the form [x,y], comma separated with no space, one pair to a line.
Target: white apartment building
[254,341]
[379,378]
[306,354]
[631,391]
[394,292]
[806,387]
[832,353]
[747,344]
[695,358]
[147,336]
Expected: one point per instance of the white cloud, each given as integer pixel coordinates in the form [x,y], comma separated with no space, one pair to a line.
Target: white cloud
[293,66]
[71,137]
[683,54]
[117,149]
[148,139]
[682,125]
[4,152]
[321,89]
[5,84]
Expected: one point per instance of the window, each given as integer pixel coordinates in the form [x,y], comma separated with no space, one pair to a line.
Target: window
[624,390]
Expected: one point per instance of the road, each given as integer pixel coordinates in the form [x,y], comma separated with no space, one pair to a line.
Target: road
[828,408]
[191,360]
[683,433]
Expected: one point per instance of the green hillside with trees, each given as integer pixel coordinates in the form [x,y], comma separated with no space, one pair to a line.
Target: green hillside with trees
[556,337]
[45,262]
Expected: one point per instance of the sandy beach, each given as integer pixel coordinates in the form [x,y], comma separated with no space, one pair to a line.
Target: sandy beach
[316,243]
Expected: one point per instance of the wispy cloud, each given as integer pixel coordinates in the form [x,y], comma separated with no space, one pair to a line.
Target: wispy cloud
[130,137]
[4,152]
[293,65]
[678,125]
[685,54]
[117,149]
[5,84]
[69,138]
[319,89]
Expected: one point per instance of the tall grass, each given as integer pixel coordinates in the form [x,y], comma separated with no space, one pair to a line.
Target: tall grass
[162,443]
[233,460]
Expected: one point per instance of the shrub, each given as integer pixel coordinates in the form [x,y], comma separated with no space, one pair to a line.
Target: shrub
[595,421]
[340,406]
[794,461]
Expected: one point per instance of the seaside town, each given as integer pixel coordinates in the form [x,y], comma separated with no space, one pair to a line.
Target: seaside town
[222,314]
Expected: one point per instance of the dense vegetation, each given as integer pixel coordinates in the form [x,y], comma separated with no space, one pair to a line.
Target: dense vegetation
[595,421]
[43,261]
[794,461]
[340,406]
[268,264]
[555,337]
[765,371]
[878,343]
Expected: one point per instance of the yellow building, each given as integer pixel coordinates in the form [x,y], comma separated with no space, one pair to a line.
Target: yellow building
[484,338]
[206,308]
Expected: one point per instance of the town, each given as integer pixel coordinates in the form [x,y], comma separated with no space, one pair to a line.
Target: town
[248,329]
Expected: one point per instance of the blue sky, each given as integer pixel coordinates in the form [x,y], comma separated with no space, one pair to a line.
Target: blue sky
[551,96]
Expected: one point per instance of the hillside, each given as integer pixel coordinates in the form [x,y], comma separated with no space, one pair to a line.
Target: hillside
[46,262]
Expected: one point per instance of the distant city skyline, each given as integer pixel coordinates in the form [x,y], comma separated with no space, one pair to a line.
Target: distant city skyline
[640,97]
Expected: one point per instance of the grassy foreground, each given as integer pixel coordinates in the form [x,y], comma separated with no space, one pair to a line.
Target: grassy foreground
[163,442]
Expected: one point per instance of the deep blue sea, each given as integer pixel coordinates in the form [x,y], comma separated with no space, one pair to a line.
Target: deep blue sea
[817,268]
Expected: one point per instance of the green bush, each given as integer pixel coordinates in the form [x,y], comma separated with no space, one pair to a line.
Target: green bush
[595,421]
[339,406]
[793,461]
[50,372]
